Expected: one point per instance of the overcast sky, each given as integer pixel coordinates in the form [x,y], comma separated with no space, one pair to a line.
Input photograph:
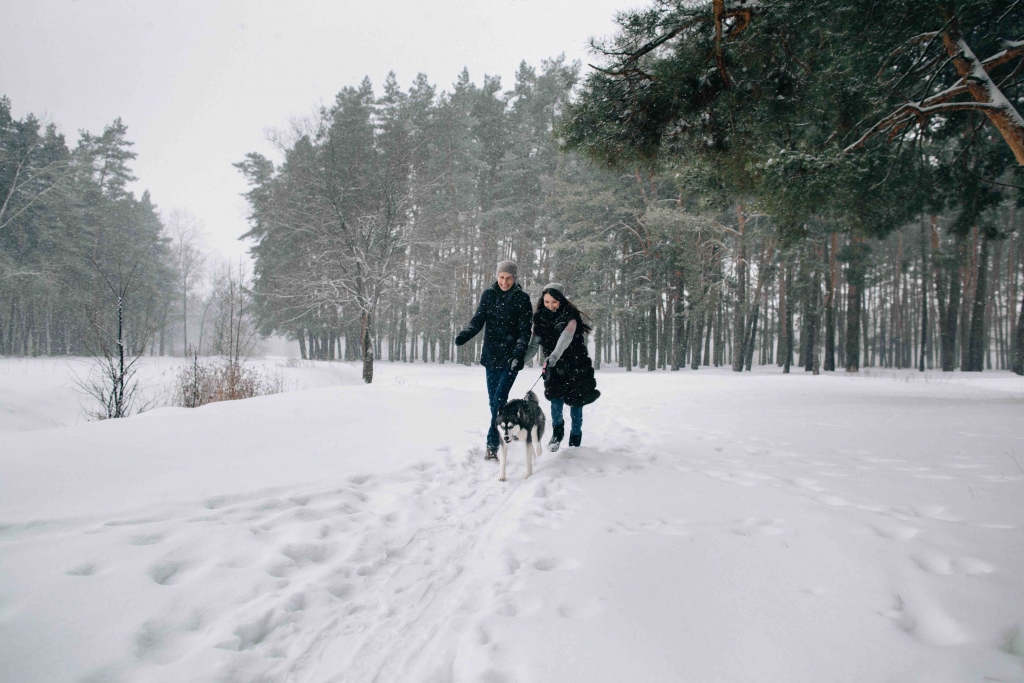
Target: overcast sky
[200,82]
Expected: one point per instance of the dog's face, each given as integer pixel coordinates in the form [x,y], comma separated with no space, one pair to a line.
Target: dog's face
[508,424]
[508,429]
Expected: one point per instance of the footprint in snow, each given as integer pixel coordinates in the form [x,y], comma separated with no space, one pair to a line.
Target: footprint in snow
[308,553]
[809,484]
[657,526]
[896,533]
[133,522]
[149,539]
[545,564]
[728,477]
[82,570]
[926,622]
[947,566]
[937,512]
[588,610]
[164,573]
[758,526]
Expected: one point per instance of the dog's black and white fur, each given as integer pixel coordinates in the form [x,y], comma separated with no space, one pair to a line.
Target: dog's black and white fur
[521,419]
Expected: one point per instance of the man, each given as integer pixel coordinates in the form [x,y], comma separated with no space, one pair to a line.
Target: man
[505,310]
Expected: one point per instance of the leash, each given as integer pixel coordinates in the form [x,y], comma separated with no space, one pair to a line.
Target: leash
[537,380]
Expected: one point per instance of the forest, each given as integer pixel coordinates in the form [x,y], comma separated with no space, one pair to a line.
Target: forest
[729,183]
[87,267]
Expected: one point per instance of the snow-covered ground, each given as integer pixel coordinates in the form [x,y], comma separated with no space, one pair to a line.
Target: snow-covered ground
[42,393]
[713,527]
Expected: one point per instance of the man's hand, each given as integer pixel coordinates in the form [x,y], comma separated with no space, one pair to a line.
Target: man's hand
[461,338]
[515,364]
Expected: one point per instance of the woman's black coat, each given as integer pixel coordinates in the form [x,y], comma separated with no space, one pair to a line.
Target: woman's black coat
[572,378]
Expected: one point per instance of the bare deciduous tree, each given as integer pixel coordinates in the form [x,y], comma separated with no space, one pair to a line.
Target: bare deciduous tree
[186,240]
[116,352]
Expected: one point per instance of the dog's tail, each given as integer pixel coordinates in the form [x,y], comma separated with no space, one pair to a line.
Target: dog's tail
[532,397]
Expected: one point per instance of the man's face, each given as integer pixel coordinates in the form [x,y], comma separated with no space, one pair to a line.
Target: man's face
[505,281]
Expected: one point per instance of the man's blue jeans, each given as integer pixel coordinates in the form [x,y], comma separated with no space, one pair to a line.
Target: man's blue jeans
[575,413]
[499,382]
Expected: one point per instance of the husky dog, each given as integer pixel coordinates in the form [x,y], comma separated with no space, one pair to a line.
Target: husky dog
[521,419]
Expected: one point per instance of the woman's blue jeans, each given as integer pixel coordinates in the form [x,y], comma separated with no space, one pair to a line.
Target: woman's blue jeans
[575,413]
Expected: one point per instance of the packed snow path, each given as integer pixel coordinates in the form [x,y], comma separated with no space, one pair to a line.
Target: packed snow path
[714,527]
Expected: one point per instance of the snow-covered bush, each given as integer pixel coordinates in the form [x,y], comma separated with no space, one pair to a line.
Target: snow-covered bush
[202,382]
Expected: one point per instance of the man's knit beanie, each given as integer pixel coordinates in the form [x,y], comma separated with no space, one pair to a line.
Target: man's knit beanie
[509,267]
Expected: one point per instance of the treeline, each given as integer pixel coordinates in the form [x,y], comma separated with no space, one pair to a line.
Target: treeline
[389,213]
[71,234]
[736,184]
[879,145]
[81,256]
[382,225]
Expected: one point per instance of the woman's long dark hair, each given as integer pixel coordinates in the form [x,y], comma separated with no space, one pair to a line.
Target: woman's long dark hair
[564,305]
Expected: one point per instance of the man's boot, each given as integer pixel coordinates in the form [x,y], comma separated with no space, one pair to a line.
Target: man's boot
[574,439]
[557,434]
[492,453]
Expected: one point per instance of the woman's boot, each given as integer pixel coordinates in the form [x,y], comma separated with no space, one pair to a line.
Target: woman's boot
[557,434]
[574,439]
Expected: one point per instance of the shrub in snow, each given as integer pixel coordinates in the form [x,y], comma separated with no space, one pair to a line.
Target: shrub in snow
[199,383]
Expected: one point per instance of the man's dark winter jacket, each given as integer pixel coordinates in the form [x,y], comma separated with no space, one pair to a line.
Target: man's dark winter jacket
[509,322]
[572,378]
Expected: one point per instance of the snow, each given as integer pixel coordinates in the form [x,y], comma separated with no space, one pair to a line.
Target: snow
[713,527]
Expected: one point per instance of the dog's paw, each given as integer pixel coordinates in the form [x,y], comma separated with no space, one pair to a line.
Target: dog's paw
[501,478]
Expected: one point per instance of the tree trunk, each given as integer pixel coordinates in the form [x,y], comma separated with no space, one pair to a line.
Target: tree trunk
[697,335]
[709,323]
[809,326]
[952,310]
[976,339]
[970,280]
[739,327]
[924,295]
[626,354]
[366,345]
[855,273]
[682,335]
[830,306]
[1018,342]
[786,337]
[896,308]
[748,352]
[853,328]
[652,338]
[783,318]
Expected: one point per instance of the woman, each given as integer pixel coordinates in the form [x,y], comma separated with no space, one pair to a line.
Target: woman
[559,330]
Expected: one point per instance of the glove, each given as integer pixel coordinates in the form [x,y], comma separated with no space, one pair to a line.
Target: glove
[515,364]
[551,361]
[461,338]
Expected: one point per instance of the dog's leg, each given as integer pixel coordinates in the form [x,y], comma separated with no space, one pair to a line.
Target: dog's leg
[531,442]
[504,455]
